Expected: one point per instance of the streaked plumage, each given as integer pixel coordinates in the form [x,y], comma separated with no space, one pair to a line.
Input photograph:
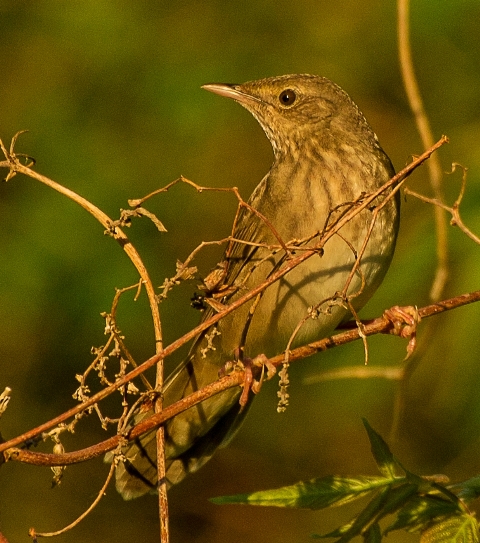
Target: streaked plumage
[325,154]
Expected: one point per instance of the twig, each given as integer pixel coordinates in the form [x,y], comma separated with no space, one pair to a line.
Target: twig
[394,373]
[289,265]
[34,534]
[380,325]
[161,466]
[453,210]
[15,166]
[241,203]
[425,131]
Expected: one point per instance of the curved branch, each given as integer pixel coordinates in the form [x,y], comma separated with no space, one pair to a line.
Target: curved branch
[289,265]
[426,135]
[15,166]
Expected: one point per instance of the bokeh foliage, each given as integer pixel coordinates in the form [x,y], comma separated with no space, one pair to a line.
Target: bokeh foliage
[110,92]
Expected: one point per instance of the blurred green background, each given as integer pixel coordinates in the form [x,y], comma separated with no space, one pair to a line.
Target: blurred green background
[110,93]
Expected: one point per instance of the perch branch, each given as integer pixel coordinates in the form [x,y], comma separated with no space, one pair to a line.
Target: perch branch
[289,265]
[380,325]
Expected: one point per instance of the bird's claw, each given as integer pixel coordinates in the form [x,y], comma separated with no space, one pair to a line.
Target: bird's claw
[248,366]
[250,383]
[404,321]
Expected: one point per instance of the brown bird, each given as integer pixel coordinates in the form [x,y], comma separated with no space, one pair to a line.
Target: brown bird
[326,157]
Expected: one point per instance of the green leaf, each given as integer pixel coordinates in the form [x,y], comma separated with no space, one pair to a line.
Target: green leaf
[314,494]
[373,534]
[397,498]
[418,513]
[361,522]
[384,503]
[382,454]
[366,516]
[453,529]
[468,490]
[338,532]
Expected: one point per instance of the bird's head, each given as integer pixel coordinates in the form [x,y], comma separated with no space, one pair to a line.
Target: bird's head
[298,110]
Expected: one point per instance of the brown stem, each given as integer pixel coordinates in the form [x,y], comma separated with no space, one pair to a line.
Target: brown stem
[380,325]
[289,265]
[16,167]
[453,210]
[34,534]
[425,131]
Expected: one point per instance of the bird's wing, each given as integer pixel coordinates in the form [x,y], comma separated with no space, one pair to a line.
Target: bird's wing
[239,254]
[250,228]
[238,260]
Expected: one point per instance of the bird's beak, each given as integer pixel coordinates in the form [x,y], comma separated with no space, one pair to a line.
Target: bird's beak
[231,91]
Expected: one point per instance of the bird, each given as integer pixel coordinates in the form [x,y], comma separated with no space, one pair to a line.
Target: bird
[326,158]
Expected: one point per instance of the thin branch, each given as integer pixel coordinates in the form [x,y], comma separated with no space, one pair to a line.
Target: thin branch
[289,265]
[161,464]
[14,165]
[380,325]
[425,131]
[453,210]
[34,534]
[391,373]
[241,202]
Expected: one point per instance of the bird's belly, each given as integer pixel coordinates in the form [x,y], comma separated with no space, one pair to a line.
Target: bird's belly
[309,302]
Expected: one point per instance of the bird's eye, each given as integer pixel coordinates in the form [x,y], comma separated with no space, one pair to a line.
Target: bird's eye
[287,97]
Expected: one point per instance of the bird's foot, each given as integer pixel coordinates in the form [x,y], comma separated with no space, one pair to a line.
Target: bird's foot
[251,368]
[404,322]
[250,383]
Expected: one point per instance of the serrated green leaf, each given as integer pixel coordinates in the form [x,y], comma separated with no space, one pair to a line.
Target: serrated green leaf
[366,516]
[397,498]
[392,500]
[419,512]
[361,522]
[314,494]
[382,454]
[373,534]
[468,490]
[453,529]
